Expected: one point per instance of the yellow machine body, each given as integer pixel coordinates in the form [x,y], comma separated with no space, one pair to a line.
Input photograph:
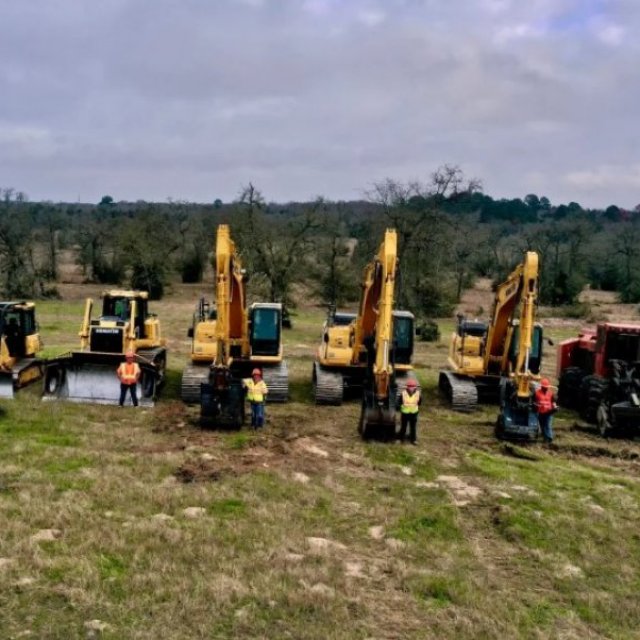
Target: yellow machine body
[230,339]
[20,344]
[482,354]
[360,351]
[124,325]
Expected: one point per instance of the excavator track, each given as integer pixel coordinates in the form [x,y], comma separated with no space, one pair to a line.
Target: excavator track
[328,386]
[277,380]
[193,376]
[461,393]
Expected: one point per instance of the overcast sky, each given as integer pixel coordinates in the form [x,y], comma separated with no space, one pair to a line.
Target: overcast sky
[191,99]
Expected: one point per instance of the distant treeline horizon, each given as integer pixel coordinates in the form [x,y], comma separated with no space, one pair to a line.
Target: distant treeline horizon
[449,233]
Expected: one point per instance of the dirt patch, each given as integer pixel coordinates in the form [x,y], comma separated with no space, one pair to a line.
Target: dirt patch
[266,451]
[462,492]
[591,451]
[520,452]
[197,471]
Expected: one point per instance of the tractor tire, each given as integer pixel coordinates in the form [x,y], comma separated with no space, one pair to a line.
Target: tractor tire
[603,420]
[593,391]
[569,385]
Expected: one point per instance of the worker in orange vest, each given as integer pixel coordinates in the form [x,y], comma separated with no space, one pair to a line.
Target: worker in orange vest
[129,374]
[545,406]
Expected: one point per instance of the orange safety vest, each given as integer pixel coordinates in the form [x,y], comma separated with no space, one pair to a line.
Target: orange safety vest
[410,402]
[544,401]
[129,373]
[256,391]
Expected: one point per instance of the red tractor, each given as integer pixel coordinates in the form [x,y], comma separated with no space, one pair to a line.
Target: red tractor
[599,375]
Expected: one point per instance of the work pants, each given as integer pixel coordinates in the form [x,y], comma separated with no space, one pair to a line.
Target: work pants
[257,414]
[545,420]
[132,389]
[410,419]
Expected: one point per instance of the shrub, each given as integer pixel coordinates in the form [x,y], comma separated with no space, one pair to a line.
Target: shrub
[428,330]
[149,279]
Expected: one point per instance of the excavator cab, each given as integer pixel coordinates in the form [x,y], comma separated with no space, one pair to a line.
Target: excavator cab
[16,323]
[535,354]
[265,329]
[403,336]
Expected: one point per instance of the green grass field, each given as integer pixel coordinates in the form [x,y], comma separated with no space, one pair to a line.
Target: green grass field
[122,523]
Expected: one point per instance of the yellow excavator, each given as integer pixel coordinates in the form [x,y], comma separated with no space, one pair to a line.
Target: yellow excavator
[500,360]
[368,352]
[231,339]
[89,375]
[19,345]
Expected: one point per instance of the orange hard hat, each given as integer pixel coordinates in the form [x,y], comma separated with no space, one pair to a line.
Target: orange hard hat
[412,384]
[129,355]
[544,382]
[256,372]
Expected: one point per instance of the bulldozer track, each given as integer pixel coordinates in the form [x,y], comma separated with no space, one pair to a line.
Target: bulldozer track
[462,394]
[328,386]
[192,377]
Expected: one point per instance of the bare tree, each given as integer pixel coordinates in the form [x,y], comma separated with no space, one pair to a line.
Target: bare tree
[18,276]
[275,246]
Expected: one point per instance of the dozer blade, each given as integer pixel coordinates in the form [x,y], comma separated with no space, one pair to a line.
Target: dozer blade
[6,385]
[91,378]
[24,372]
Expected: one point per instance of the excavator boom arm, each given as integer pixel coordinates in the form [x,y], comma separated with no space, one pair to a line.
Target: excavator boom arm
[515,289]
[529,297]
[375,317]
[231,321]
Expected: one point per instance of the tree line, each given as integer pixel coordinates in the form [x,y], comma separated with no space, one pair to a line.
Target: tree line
[449,233]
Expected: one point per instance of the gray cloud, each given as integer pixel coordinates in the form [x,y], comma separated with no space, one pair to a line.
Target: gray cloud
[191,99]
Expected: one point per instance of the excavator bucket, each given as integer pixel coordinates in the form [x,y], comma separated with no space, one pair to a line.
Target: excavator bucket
[87,377]
[377,419]
[222,400]
[517,420]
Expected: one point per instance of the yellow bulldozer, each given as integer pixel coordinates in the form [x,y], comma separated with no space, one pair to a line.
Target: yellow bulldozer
[19,347]
[499,360]
[368,353]
[89,375]
[229,340]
